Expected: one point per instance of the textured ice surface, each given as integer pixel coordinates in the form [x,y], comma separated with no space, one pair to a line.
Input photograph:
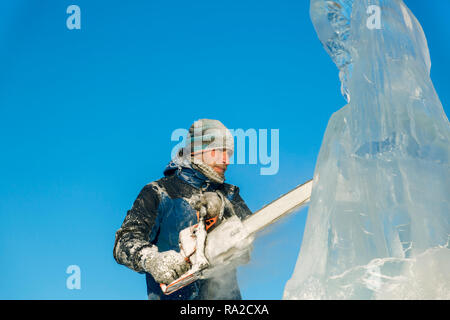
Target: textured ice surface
[378,222]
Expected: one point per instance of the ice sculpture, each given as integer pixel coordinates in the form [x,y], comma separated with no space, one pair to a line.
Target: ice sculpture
[378,221]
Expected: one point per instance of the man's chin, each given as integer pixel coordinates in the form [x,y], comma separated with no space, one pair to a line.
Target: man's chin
[221,173]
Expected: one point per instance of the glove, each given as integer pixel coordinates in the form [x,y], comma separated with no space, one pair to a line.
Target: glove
[165,266]
[212,202]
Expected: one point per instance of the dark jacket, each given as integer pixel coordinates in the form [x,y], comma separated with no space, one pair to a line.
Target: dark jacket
[159,213]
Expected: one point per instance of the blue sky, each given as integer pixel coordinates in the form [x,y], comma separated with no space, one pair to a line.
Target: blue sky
[86,118]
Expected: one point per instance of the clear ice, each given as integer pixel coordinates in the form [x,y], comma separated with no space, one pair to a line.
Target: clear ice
[378,221]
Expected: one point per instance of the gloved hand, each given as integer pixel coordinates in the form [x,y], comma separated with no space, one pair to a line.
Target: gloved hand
[165,266]
[211,201]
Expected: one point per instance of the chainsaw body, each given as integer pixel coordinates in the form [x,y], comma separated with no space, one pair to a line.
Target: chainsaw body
[210,252]
[224,244]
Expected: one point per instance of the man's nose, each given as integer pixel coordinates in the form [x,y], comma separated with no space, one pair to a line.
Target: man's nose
[225,158]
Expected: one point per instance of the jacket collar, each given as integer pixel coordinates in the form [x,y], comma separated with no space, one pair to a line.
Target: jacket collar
[193,177]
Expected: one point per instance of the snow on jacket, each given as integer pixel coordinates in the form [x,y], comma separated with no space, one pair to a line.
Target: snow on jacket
[161,210]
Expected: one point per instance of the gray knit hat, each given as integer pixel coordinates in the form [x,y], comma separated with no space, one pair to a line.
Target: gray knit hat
[209,134]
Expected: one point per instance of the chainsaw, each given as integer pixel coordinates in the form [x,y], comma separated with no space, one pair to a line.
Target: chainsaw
[209,250]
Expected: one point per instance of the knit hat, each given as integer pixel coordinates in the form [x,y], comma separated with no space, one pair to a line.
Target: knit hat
[208,134]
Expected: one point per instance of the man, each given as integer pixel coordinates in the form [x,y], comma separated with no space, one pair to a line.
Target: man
[147,241]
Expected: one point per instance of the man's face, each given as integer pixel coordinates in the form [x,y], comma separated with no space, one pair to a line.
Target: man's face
[217,159]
